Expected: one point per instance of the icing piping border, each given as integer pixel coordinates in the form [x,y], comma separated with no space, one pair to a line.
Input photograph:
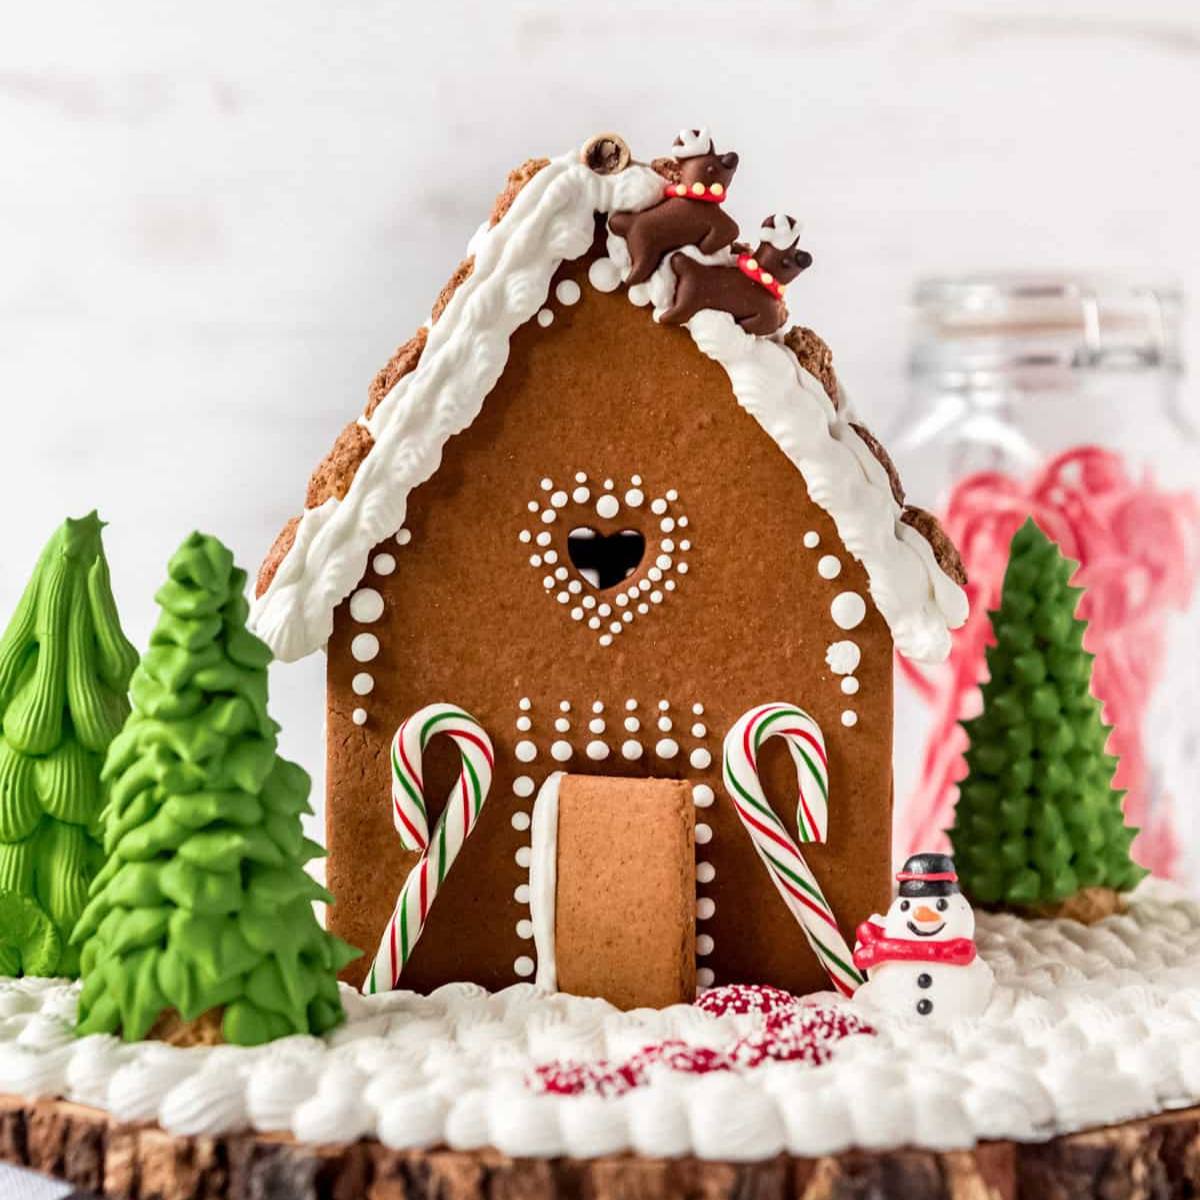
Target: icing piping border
[552,220]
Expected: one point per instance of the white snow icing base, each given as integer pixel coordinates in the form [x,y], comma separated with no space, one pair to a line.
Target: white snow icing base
[1088,1026]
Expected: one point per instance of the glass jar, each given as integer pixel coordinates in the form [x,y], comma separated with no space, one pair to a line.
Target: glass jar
[1059,396]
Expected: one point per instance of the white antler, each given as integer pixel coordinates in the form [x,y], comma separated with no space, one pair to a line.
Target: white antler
[693,142]
[780,231]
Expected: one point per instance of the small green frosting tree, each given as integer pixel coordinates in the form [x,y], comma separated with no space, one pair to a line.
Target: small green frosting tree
[204,907]
[64,677]
[1038,819]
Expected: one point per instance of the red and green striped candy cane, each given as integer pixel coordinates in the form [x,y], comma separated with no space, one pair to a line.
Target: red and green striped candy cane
[781,856]
[411,817]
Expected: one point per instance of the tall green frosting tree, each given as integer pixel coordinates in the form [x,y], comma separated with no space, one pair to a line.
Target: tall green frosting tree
[64,677]
[203,908]
[1038,820]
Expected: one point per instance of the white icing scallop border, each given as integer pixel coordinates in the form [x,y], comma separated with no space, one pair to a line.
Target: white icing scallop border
[551,220]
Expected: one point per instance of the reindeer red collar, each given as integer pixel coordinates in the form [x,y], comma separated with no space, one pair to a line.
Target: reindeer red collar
[713,193]
[749,265]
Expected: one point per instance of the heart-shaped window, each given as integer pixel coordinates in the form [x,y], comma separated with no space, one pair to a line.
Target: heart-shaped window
[605,560]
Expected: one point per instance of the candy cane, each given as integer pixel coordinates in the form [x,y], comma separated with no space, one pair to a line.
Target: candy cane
[411,818]
[780,855]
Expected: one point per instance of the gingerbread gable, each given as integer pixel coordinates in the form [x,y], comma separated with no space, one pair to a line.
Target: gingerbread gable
[438,382]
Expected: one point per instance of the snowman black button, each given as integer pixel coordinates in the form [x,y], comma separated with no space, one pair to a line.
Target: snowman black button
[924,1007]
[924,980]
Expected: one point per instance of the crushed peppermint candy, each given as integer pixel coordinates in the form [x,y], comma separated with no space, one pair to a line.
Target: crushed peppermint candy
[789,1031]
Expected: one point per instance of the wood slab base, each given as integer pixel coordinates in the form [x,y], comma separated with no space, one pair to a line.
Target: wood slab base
[1154,1159]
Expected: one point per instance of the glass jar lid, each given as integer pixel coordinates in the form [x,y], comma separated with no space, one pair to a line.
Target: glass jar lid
[972,330]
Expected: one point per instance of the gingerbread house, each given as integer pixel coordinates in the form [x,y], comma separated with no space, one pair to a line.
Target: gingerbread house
[605,504]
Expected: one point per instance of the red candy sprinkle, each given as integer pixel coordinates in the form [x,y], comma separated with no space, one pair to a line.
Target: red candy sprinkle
[789,1031]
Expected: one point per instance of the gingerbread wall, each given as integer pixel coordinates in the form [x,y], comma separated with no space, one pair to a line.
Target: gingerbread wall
[740,572]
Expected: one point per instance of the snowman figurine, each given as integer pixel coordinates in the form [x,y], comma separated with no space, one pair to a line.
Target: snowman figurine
[921,959]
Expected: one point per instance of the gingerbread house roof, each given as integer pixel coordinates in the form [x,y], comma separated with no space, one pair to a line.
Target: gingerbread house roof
[436,383]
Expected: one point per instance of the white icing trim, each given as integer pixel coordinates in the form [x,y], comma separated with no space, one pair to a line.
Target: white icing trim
[543,881]
[551,220]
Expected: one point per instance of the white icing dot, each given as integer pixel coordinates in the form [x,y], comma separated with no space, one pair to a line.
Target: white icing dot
[548,581]
[705,977]
[568,292]
[547,484]
[703,795]
[656,597]
[364,647]
[560,750]
[524,536]
[562,724]
[544,538]
[655,574]
[663,562]
[828,567]
[523,786]
[581,477]
[632,724]
[545,317]
[849,717]
[706,906]
[850,685]
[682,568]
[644,585]
[608,506]
[631,749]
[533,506]
[621,600]
[663,705]
[385,564]
[597,751]
[564,706]
[668,544]
[605,639]
[589,602]
[843,658]
[631,705]
[664,723]
[580,495]
[577,613]
[703,834]
[524,704]
[683,522]
[535,560]
[574,587]
[608,485]
[698,709]
[605,610]
[524,966]
[597,706]
[522,893]
[563,597]
[658,507]
[604,275]
[812,539]
[700,758]
[403,537]
[666,748]
[559,499]
[636,480]
[525,928]
[359,716]
[669,585]
[593,622]
[848,610]
[362,683]
[667,524]
[643,609]
[548,516]
[704,945]
[550,557]
[366,605]
[635,497]
[523,856]
[705,872]
[525,751]
[520,821]
[524,724]
[597,726]
[699,730]
[684,545]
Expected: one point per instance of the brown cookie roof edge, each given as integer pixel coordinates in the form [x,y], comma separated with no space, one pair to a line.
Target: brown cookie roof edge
[298,589]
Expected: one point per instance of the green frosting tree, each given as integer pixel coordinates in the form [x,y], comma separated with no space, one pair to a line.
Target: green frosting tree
[1038,819]
[204,907]
[64,677]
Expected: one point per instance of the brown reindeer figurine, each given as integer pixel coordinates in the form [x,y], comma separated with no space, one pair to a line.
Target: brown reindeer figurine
[690,213]
[750,291]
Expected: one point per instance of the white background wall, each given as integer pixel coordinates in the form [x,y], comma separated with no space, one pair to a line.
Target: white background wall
[217,219]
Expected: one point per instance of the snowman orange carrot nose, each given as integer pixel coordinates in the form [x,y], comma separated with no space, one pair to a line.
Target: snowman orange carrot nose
[926,914]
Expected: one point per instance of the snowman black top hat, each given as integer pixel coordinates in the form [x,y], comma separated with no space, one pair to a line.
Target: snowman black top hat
[928,875]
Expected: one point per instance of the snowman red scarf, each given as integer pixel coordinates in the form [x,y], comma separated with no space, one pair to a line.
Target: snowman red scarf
[873,949]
